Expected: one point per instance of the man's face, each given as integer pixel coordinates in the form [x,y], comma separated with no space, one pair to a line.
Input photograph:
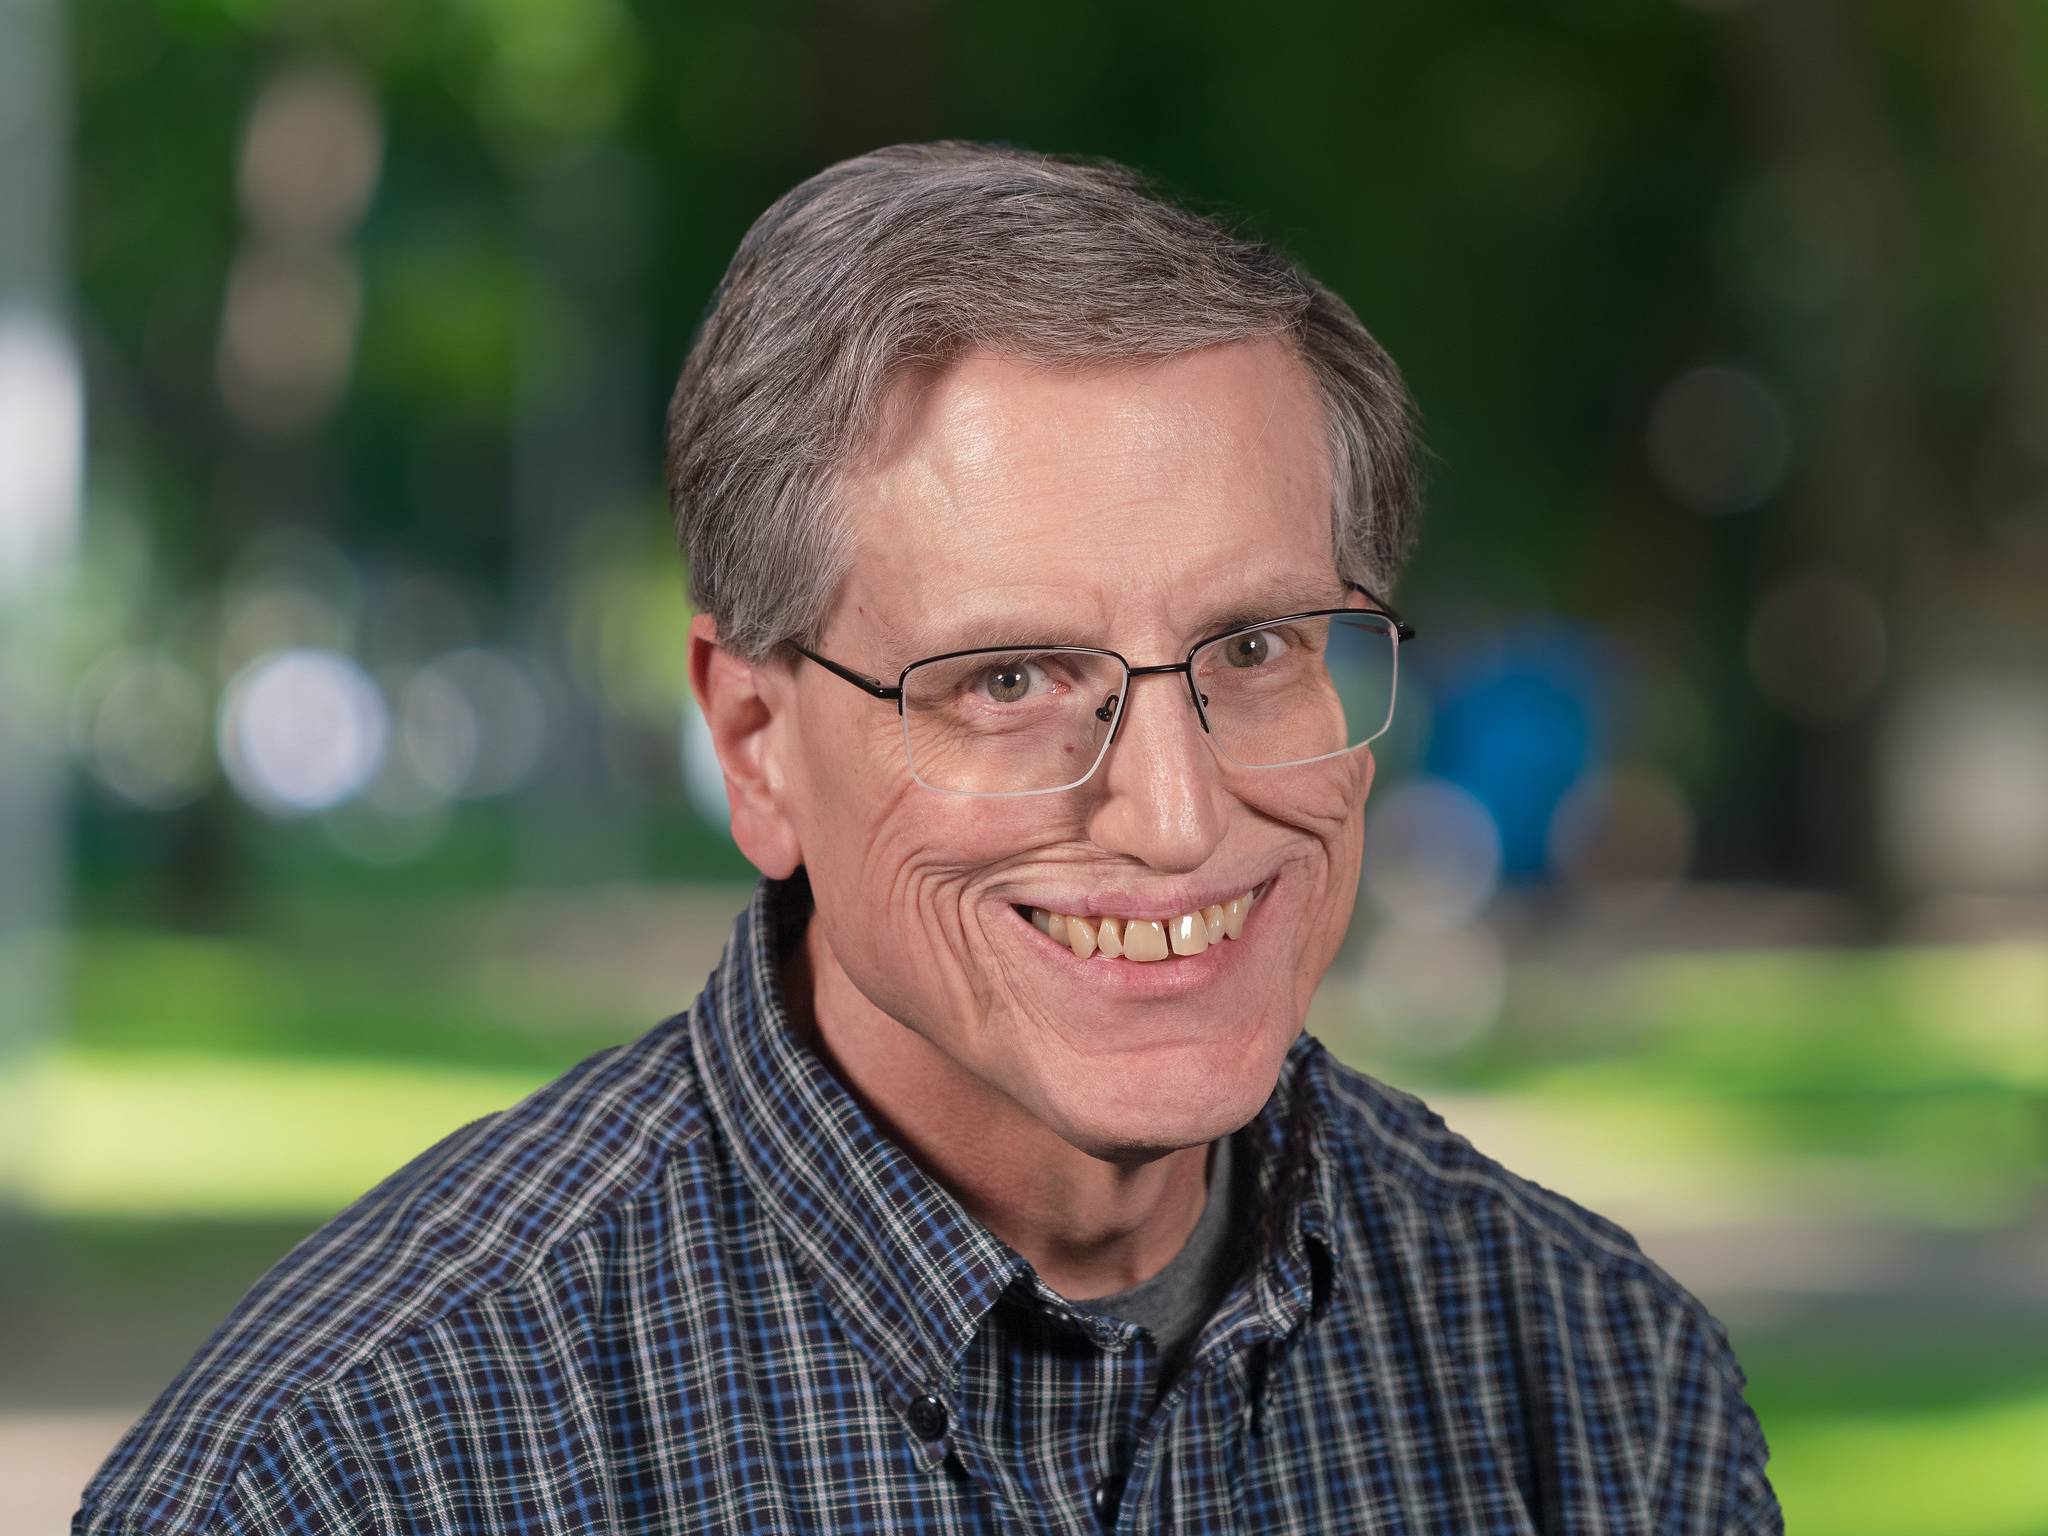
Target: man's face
[1139,509]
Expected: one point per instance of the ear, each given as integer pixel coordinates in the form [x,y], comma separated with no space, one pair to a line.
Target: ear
[740,706]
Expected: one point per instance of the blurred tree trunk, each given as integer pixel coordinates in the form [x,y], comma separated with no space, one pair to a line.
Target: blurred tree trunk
[1867,497]
[582,454]
[2002,127]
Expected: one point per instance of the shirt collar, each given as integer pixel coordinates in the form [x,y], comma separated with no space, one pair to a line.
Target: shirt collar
[907,1272]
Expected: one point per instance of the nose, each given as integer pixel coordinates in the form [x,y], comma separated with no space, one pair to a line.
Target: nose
[1160,797]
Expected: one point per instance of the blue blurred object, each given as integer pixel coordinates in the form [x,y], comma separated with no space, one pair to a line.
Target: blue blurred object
[1518,719]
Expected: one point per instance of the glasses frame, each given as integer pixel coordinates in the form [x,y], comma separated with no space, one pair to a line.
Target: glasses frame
[1403,631]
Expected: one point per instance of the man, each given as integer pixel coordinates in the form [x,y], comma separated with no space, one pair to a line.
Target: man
[1041,533]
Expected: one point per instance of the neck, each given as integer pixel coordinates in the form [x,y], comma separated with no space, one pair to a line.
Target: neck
[1088,1226]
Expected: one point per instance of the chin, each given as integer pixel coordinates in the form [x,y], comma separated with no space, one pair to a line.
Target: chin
[1140,1109]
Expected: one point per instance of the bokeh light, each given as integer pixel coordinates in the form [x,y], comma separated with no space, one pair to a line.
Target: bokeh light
[310,153]
[1432,854]
[1518,718]
[1817,646]
[141,721]
[1718,440]
[288,336]
[1432,990]
[1627,828]
[1965,787]
[301,731]
[471,724]
[42,445]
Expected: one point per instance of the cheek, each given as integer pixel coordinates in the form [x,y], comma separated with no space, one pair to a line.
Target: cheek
[1323,806]
[905,876]
[1324,801]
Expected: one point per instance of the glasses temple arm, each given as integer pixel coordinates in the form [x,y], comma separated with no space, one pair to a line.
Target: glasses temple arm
[1401,626]
[865,684]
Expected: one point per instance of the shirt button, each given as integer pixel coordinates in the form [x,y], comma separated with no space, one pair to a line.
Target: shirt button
[1108,1495]
[927,1417]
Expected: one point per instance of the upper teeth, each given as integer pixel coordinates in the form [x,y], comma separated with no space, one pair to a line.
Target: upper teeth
[1147,938]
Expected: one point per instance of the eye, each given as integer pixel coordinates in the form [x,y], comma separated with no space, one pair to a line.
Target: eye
[1008,682]
[1253,649]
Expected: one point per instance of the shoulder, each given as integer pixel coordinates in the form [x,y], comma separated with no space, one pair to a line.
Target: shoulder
[1468,1227]
[478,1213]
[1393,1145]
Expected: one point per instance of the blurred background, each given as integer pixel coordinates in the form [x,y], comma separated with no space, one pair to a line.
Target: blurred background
[349,785]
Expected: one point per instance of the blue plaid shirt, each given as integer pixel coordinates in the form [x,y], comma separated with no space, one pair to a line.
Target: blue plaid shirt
[690,1286]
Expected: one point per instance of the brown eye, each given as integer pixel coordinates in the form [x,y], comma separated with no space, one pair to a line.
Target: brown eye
[1247,650]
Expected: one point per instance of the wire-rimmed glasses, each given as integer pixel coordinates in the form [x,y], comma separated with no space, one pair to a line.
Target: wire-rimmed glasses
[1036,719]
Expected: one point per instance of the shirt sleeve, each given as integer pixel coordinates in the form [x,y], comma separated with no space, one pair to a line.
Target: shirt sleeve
[1713,1459]
[302,1477]
[1715,1483]
[1756,1502]
[305,1476]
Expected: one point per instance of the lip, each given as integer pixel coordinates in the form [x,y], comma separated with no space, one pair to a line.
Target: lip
[1174,977]
[1156,904]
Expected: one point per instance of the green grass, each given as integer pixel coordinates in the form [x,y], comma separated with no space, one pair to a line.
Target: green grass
[1979,1471]
[379,997]
[196,1135]
[1905,1437]
[1767,1024]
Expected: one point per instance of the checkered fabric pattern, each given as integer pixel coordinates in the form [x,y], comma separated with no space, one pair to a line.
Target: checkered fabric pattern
[689,1286]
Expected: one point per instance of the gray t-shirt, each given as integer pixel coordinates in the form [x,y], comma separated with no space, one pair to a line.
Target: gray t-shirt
[1176,1302]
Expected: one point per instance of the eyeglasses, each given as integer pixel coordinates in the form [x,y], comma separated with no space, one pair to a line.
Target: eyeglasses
[1032,720]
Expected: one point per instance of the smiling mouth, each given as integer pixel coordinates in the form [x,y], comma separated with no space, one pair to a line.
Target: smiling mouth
[1146,939]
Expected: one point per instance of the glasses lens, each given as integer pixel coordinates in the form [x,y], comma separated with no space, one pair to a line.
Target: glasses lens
[1008,722]
[1308,688]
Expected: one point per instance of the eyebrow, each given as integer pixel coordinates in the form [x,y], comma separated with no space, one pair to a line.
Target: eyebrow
[1016,631]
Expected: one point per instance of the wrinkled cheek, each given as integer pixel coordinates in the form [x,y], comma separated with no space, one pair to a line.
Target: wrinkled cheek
[1324,803]
[920,886]
[1325,800]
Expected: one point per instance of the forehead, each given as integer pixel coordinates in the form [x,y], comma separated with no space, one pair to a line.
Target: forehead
[1142,498]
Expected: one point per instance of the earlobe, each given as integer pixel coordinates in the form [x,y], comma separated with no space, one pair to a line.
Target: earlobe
[742,717]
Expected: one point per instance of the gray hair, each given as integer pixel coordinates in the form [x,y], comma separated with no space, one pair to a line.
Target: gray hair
[912,255]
